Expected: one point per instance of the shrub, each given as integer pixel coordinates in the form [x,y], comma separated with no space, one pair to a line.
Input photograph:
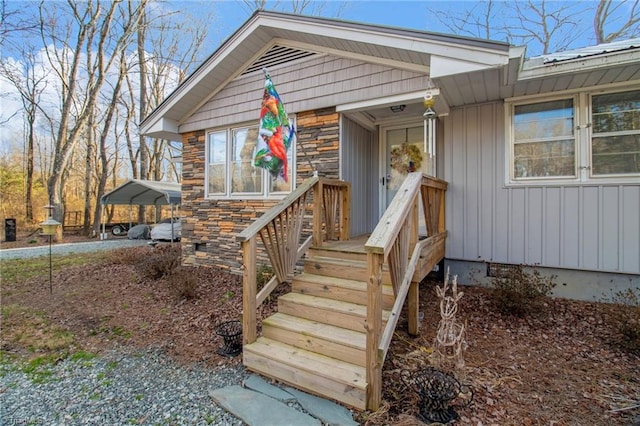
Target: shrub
[159,262]
[183,282]
[518,292]
[127,256]
[626,318]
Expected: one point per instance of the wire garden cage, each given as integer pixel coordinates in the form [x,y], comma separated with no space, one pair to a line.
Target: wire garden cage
[231,333]
[437,391]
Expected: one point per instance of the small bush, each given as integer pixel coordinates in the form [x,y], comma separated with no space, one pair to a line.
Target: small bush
[518,292]
[626,318]
[183,282]
[159,262]
[127,256]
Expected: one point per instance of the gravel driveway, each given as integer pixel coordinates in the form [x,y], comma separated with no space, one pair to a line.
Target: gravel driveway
[117,388]
[62,249]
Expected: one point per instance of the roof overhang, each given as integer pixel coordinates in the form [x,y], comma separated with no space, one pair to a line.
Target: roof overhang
[401,48]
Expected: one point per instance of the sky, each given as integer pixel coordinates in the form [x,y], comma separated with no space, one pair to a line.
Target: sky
[226,16]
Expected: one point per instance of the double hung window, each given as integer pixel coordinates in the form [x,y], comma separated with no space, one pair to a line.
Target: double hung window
[230,169]
[576,138]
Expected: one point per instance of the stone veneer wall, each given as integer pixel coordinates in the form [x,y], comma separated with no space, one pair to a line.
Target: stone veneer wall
[212,225]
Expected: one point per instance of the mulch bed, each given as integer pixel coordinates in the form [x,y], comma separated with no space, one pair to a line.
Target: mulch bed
[560,366]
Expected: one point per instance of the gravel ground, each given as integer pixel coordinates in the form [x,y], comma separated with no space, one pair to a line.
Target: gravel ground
[62,249]
[116,388]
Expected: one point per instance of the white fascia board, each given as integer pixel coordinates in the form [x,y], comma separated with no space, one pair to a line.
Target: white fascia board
[581,65]
[381,102]
[397,41]
[163,128]
[445,66]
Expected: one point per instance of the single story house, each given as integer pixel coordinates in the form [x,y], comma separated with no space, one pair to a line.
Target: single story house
[541,155]
[431,147]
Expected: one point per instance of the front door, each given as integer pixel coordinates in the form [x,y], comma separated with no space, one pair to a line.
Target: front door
[406,149]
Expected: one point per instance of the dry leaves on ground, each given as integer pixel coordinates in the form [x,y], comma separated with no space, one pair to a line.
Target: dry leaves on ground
[562,366]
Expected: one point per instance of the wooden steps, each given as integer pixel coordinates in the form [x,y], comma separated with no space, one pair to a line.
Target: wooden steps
[309,371]
[337,267]
[317,340]
[347,290]
[341,343]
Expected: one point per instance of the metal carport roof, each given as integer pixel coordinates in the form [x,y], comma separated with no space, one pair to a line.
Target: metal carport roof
[144,192]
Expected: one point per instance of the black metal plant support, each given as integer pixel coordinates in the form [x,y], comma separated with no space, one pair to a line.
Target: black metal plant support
[437,390]
[231,333]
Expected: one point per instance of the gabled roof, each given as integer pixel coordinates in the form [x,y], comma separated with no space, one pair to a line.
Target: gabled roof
[431,53]
[144,193]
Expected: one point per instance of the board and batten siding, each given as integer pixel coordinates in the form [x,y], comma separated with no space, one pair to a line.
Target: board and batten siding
[321,81]
[359,165]
[589,226]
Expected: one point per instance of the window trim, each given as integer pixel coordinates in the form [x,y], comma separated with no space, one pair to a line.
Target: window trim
[265,194]
[582,106]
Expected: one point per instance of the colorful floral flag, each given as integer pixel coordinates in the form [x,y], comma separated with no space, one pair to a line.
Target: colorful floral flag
[275,135]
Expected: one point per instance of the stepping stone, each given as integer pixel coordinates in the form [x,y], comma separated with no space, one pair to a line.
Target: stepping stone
[257,409]
[258,384]
[329,412]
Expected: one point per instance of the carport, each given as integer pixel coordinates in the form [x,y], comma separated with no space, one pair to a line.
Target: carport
[144,193]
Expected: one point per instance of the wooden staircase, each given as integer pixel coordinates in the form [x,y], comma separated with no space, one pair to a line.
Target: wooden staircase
[317,340]
[331,333]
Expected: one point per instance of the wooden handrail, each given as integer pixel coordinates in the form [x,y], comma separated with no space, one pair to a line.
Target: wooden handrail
[394,217]
[275,211]
[280,230]
[396,240]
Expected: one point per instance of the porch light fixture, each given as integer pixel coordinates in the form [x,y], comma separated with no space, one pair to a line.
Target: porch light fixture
[49,228]
[398,108]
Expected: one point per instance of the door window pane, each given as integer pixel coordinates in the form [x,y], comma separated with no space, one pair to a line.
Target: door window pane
[217,162]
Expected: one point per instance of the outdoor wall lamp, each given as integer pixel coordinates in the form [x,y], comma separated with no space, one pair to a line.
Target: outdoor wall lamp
[398,108]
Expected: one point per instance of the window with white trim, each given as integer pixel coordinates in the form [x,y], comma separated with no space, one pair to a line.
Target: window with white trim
[230,170]
[575,138]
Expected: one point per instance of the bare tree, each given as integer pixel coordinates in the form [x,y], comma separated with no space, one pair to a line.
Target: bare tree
[104,169]
[613,14]
[552,25]
[13,20]
[105,28]
[30,83]
[480,21]
[299,7]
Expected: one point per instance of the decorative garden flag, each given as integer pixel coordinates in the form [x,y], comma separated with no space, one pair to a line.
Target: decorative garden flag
[275,134]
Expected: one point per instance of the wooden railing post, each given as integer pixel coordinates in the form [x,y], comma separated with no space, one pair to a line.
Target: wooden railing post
[374,326]
[345,212]
[317,214]
[441,214]
[249,289]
